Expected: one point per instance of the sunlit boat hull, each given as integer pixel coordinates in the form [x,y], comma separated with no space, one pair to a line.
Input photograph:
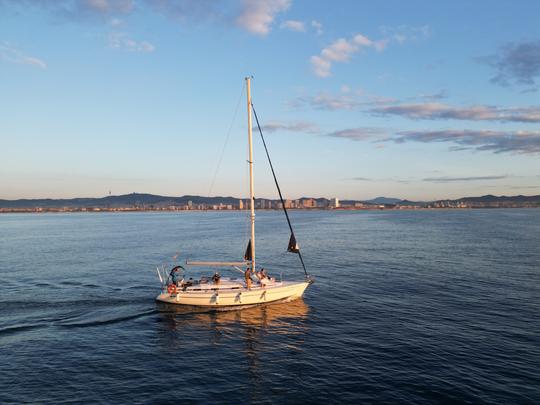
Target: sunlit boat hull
[223,297]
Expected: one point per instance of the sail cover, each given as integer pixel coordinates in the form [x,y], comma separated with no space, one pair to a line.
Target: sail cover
[247,255]
[293,245]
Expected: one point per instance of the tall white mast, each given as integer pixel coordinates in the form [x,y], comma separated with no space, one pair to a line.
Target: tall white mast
[251,189]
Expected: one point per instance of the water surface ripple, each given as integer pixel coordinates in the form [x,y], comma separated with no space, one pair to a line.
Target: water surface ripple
[408,307]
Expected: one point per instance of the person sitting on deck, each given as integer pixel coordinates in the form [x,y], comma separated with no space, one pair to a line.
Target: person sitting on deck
[247,276]
[216,277]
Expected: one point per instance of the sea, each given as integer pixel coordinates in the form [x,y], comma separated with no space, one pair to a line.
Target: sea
[407,307]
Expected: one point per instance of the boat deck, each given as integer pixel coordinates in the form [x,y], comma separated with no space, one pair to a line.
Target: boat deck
[206,284]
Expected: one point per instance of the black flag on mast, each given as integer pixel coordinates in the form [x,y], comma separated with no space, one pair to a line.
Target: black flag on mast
[247,255]
[293,245]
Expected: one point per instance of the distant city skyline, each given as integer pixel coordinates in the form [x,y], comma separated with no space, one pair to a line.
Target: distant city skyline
[413,100]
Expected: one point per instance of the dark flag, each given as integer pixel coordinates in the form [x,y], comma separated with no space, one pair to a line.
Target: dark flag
[247,255]
[293,246]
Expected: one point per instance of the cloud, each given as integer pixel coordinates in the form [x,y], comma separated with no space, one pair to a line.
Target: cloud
[341,51]
[120,40]
[359,134]
[461,179]
[76,9]
[522,142]
[441,94]
[294,25]
[13,55]
[404,33]
[299,126]
[436,111]
[324,101]
[517,63]
[317,26]
[360,179]
[346,101]
[107,6]
[257,16]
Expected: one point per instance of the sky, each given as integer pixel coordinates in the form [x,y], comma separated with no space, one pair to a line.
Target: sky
[418,100]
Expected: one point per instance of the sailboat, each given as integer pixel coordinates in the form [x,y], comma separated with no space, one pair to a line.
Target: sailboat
[256,286]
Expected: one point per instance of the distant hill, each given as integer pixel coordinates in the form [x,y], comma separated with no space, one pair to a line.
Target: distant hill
[383,200]
[133,200]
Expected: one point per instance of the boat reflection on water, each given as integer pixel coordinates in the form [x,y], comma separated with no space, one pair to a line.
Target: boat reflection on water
[240,342]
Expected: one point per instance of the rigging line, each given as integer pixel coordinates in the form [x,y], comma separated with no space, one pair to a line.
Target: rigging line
[226,141]
[223,151]
[277,186]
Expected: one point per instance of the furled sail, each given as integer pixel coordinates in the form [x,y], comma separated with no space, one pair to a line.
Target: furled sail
[293,245]
[247,255]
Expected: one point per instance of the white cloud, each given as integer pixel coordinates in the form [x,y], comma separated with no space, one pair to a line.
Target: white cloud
[404,33]
[294,25]
[10,54]
[119,40]
[317,26]
[115,22]
[342,51]
[108,6]
[257,16]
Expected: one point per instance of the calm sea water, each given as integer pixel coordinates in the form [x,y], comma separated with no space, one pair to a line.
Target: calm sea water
[407,307]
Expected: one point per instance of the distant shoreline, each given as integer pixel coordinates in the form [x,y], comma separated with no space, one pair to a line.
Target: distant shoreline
[100,211]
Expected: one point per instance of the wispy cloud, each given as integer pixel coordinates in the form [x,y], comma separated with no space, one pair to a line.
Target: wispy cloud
[254,16]
[257,16]
[342,51]
[403,33]
[299,126]
[107,6]
[463,179]
[515,63]
[439,95]
[121,41]
[325,101]
[293,25]
[76,9]
[317,26]
[388,106]
[10,54]
[360,179]
[436,111]
[359,134]
[523,142]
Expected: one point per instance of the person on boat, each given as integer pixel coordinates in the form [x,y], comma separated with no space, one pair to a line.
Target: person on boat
[247,276]
[216,278]
[176,276]
[263,277]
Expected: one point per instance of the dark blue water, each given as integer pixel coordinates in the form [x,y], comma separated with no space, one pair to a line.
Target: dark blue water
[408,307]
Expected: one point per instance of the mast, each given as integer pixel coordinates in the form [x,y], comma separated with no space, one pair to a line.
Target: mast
[250,161]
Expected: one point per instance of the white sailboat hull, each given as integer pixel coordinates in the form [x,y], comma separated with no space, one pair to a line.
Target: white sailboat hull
[236,297]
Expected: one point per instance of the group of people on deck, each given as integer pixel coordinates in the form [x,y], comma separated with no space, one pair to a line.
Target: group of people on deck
[261,275]
[262,278]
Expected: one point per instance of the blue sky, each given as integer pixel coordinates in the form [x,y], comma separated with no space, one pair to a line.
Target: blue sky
[416,99]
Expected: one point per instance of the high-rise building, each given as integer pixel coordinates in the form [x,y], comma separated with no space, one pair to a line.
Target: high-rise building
[240,205]
[334,202]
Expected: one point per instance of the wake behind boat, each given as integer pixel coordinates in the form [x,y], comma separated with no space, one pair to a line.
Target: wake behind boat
[255,286]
